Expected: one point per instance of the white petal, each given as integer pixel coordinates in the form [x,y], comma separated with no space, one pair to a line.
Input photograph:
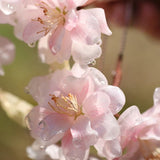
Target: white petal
[71,152]
[156,96]
[100,16]
[85,54]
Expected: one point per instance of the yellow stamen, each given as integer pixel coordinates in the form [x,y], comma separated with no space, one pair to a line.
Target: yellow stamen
[66,105]
[155,155]
[53,17]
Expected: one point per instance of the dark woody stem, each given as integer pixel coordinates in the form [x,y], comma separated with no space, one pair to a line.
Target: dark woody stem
[118,71]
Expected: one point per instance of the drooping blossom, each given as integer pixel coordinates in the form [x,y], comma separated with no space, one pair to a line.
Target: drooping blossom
[67,29]
[7,52]
[140,133]
[75,107]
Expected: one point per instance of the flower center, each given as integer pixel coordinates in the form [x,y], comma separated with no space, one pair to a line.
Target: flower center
[53,17]
[149,151]
[66,105]
[155,155]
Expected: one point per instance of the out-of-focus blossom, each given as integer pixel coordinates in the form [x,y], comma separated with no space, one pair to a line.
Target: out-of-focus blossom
[7,51]
[5,19]
[15,107]
[140,133]
[67,29]
[9,7]
[37,152]
[75,108]
[52,152]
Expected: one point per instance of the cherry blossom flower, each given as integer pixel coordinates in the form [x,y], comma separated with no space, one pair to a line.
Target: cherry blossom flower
[67,29]
[75,108]
[7,50]
[140,133]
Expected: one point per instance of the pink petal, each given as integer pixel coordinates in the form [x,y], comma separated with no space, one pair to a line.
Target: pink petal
[7,51]
[28,21]
[8,7]
[85,54]
[55,152]
[150,132]
[79,2]
[33,119]
[127,123]
[117,98]
[4,19]
[156,96]
[71,20]
[100,16]
[133,152]
[33,32]
[39,90]
[75,3]
[108,149]
[44,52]
[48,57]
[78,70]
[41,87]
[55,41]
[60,44]
[54,124]
[70,151]
[98,78]
[112,149]
[82,133]
[80,91]
[87,29]
[95,105]
[107,126]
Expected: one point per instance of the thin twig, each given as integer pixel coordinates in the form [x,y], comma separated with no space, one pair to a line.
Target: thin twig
[118,72]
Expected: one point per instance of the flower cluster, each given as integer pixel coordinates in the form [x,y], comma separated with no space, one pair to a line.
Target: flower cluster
[76,108]
[140,133]
[80,115]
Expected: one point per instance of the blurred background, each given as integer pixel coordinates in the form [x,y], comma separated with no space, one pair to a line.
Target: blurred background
[141,75]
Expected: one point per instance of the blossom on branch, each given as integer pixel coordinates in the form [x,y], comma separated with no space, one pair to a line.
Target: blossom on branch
[68,30]
[140,133]
[77,109]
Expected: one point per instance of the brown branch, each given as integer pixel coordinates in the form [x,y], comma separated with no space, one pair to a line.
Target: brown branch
[118,72]
[118,75]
